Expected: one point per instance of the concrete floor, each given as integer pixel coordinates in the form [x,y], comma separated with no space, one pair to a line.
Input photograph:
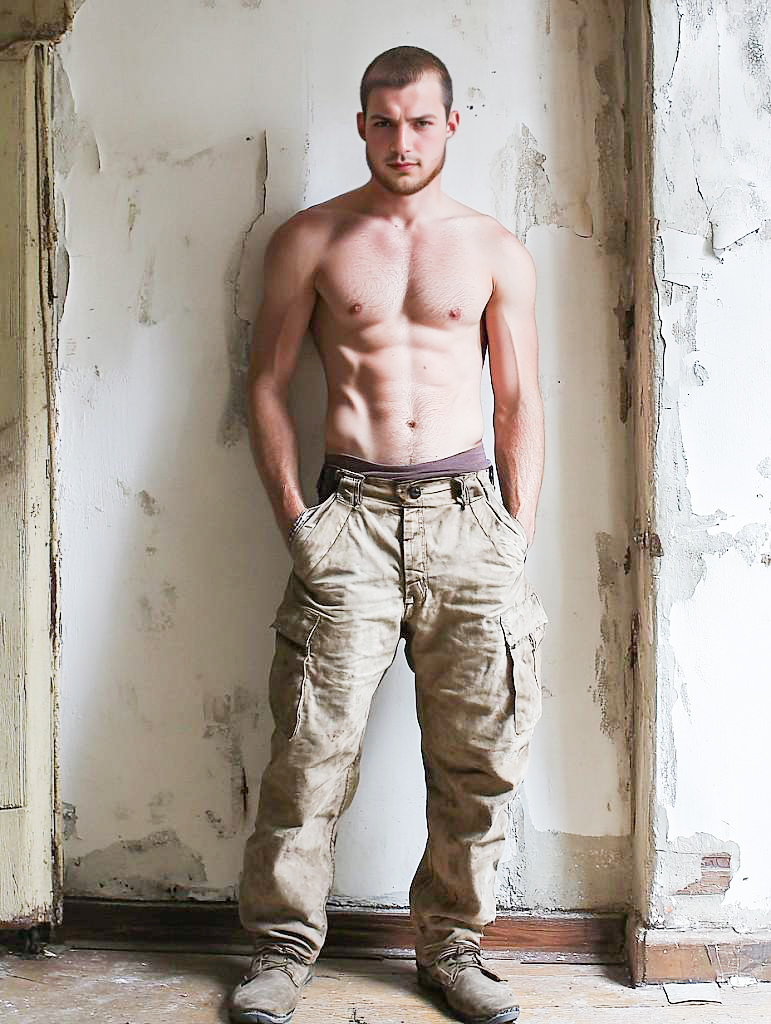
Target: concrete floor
[75,986]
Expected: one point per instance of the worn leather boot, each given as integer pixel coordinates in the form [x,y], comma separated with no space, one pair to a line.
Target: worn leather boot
[270,990]
[473,991]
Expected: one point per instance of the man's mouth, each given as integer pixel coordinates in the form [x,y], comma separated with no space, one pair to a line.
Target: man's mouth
[402,165]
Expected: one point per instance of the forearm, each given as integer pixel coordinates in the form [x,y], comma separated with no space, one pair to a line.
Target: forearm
[274,448]
[519,458]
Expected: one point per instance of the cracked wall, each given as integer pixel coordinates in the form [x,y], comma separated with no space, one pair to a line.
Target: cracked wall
[711,264]
[177,153]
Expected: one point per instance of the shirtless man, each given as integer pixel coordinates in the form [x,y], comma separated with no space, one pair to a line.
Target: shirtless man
[403,290]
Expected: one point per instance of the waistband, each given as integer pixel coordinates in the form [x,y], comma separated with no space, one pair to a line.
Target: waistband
[470,461]
[441,490]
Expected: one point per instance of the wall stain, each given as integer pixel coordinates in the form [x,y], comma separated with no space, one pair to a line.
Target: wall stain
[226,718]
[157,617]
[133,210]
[159,806]
[156,866]
[609,145]
[612,671]
[234,418]
[148,503]
[145,296]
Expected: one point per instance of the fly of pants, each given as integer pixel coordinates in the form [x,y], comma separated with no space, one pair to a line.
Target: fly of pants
[413,538]
[414,558]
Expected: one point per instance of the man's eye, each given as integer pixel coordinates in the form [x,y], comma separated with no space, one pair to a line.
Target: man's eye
[381,124]
[424,124]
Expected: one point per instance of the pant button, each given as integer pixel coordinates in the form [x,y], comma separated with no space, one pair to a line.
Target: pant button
[414,491]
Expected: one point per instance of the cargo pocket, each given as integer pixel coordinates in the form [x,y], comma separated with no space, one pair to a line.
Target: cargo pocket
[523,629]
[289,671]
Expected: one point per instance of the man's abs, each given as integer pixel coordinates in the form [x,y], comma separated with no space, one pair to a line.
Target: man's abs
[410,401]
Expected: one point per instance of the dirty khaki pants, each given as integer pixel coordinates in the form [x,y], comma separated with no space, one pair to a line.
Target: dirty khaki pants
[440,562]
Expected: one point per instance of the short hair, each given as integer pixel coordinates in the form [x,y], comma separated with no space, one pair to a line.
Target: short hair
[403,65]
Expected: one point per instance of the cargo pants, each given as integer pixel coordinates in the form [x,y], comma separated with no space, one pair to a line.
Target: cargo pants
[441,563]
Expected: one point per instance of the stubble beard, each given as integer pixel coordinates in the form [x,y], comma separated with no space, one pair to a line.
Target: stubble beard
[406,186]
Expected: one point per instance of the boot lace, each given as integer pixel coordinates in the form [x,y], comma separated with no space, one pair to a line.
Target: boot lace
[276,956]
[462,954]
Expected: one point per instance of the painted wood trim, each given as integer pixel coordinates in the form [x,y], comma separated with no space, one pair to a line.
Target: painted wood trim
[30,873]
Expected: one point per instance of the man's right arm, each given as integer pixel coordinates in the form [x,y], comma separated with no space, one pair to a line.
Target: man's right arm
[282,320]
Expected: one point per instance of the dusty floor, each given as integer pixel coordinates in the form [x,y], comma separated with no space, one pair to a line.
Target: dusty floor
[119,987]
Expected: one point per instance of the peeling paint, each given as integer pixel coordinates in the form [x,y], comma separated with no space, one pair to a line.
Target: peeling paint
[531,201]
[711,195]
[595,871]
[69,822]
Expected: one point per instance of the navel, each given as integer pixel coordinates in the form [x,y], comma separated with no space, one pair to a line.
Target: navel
[355,308]
[455,313]
[412,423]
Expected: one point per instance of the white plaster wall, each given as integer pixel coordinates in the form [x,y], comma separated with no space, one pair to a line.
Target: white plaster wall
[185,133]
[712,200]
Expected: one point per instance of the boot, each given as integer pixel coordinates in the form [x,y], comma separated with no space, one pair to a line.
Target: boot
[475,993]
[270,990]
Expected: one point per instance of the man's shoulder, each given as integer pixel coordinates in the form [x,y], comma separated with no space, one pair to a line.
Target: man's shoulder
[490,230]
[315,225]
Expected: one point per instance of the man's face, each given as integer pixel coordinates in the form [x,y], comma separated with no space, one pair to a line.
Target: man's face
[406,131]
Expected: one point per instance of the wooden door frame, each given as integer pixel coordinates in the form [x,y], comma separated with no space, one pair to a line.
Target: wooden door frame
[31,862]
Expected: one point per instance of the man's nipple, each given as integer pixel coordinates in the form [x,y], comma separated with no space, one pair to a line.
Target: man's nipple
[355,308]
[455,313]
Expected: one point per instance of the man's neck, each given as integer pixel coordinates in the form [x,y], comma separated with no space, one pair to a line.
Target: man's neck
[403,211]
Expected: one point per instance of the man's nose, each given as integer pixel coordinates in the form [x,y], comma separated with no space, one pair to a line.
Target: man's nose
[401,139]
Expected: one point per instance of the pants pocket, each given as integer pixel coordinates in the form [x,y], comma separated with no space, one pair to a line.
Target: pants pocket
[524,665]
[289,670]
[316,537]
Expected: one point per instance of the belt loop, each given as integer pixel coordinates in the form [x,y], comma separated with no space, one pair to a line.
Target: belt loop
[357,479]
[463,496]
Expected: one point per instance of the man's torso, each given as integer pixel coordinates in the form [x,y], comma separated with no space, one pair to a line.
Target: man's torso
[398,323]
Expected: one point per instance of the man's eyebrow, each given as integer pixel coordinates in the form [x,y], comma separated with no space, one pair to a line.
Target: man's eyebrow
[387,117]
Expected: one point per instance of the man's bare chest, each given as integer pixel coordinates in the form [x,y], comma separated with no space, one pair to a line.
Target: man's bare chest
[440,282]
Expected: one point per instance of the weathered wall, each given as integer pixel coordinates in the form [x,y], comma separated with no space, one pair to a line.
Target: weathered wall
[185,134]
[712,264]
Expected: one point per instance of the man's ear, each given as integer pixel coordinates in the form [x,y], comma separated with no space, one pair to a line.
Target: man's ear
[452,123]
[361,120]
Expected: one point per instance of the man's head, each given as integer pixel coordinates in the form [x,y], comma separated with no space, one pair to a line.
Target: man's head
[406,118]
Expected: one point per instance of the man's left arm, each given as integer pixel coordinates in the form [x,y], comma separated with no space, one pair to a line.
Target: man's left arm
[518,412]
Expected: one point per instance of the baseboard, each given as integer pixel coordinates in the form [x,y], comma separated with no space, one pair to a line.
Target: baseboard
[215,928]
[657,955]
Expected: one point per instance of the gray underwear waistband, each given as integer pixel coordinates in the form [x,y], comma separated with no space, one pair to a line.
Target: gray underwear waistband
[471,461]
